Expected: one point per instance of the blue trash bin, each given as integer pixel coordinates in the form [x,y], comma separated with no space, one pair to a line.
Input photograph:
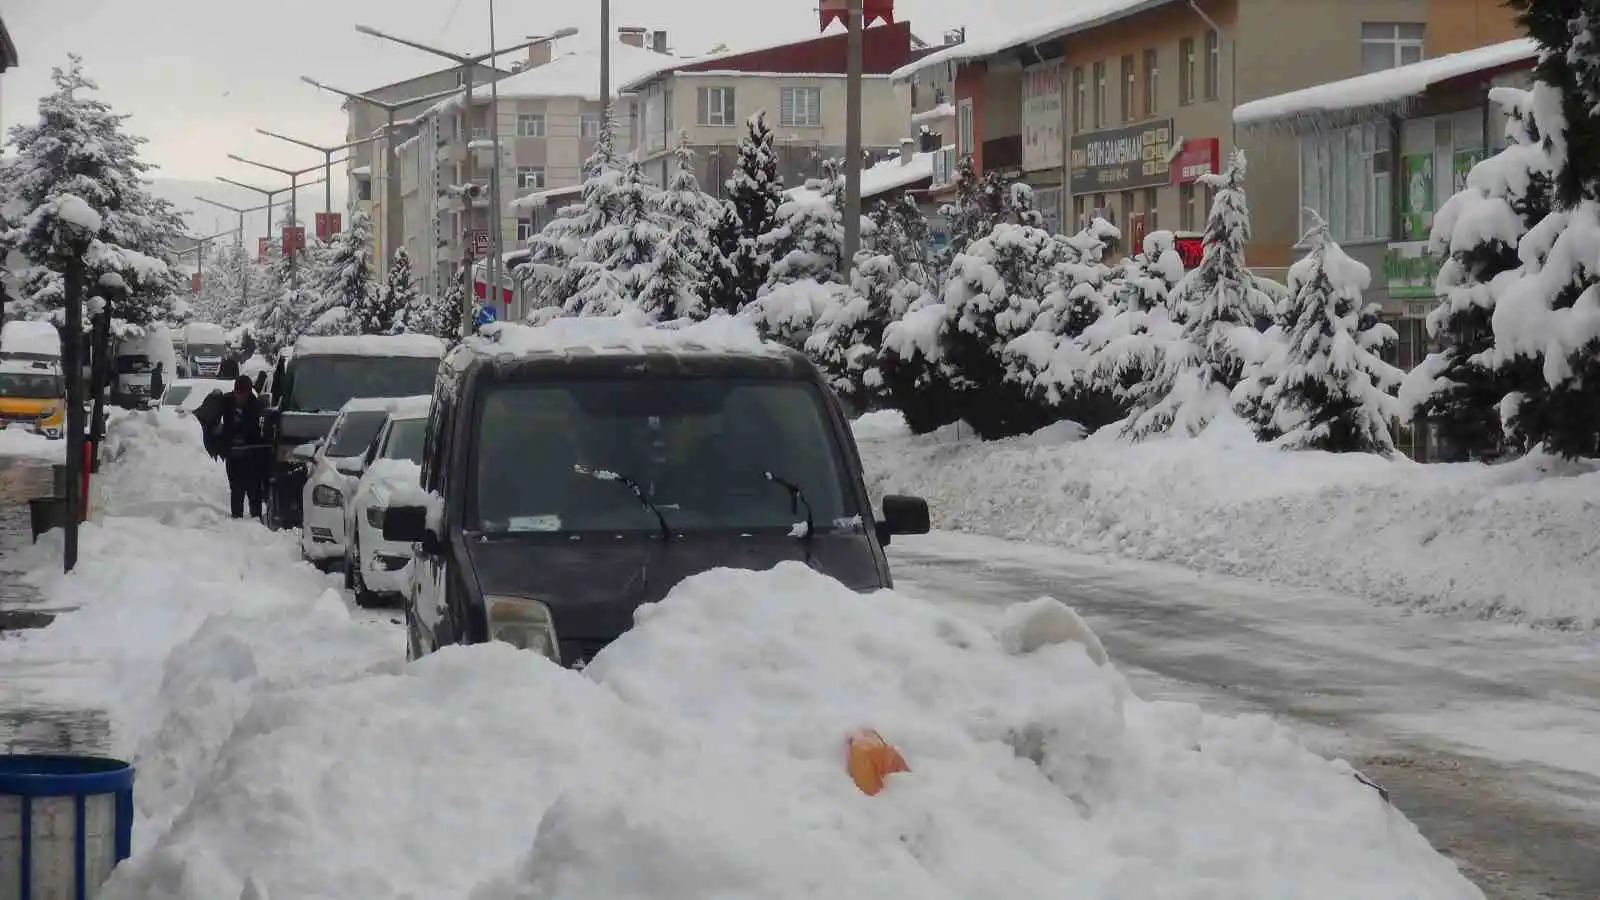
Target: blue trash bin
[65,823]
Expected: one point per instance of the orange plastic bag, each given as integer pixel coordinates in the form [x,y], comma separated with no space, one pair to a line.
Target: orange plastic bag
[871,759]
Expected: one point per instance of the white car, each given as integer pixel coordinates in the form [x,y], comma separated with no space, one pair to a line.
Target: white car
[334,464]
[186,394]
[375,569]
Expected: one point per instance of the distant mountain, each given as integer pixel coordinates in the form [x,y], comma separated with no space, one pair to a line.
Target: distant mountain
[205,219]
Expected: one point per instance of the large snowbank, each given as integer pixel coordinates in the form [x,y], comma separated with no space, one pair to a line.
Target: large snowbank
[17,441]
[702,755]
[1515,541]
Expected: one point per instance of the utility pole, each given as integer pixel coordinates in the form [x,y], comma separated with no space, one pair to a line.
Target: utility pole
[393,219]
[468,64]
[71,359]
[852,137]
[199,249]
[496,218]
[605,62]
[327,161]
[244,273]
[294,190]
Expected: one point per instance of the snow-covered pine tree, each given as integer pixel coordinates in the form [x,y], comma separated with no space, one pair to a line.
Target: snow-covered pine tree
[549,276]
[995,292]
[805,245]
[385,313]
[1328,389]
[1125,347]
[754,193]
[1458,390]
[676,286]
[971,215]
[1219,303]
[348,282]
[1538,318]
[436,314]
[611,272]
[78,148]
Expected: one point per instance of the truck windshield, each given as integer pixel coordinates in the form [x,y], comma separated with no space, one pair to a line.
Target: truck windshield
[134,365]
[326,383]
[405,440]
[698,448]
[207,350]
[32,386]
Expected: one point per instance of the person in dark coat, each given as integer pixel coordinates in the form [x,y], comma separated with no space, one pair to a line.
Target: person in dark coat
[230,367]
[158,384]
[240,438]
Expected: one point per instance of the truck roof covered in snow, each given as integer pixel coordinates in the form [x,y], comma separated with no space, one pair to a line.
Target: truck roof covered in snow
[417,345]
[620,336]
[383,404]
[22,336]
[411,407]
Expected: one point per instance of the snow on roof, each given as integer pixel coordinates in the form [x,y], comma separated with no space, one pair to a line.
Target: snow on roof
[370,345]
[373,404]
[942,111]
[576,74]
[1354,99]
[416,407]
[362,171]
[1080,16]
[22,336]
[724,52]
[543,198]
[626,334]
[882,178]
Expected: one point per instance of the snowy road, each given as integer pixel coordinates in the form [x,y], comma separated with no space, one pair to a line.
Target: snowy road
[1485,734]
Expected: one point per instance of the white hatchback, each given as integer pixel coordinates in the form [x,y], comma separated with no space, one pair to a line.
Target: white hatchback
[375,569]
[335,463]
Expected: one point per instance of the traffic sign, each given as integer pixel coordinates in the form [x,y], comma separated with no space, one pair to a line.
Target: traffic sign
[486,315]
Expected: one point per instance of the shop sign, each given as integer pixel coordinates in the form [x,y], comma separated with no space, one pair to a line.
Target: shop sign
[1122,158]
[1196,158]
[1041,116]
[1410,269]
[1191,249]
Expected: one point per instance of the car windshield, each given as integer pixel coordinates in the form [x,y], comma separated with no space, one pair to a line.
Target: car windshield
[325,383]
[405,440]
[133,365]
[33,386]
[175,394]
[698,448]
[354,432]
[207,349]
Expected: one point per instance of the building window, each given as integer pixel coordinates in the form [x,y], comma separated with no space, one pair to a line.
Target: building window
[800,107]
[530,178]
[589,130]
[715,106]
[530,126]
[1130,88]
[1080,100]
[1385,45]
[964,133]
[1152,82]
[1100,94]
[1186,71]
[1213,63]
[1186,207]
[1152,203]
[1080,212]
[524,229]
[1345,177]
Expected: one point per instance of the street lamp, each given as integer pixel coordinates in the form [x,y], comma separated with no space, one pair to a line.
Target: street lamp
[199,249]
[327,161]
[393,221]
[292,189]
[467,64]
[244,274]
[293,175]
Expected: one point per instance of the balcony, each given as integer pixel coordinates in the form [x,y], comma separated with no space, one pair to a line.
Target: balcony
[1002,153]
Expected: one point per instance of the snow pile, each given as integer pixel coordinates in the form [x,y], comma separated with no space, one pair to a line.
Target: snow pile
[1515,541]
[702,755]
[370,345]
[18,441]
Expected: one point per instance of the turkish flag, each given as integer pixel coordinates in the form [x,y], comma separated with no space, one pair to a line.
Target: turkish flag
[871,11]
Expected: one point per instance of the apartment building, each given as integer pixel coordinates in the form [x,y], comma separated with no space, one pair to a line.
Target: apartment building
[1118,108]
[548,116]
[800,84]
[8,59]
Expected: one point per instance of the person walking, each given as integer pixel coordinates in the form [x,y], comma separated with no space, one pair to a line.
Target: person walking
[158,384]
[239,436]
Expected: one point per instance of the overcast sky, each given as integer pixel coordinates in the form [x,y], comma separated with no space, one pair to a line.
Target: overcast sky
[199,75]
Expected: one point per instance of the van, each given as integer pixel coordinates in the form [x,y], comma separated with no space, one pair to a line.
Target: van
[33,396]
[30,341]
[568,480]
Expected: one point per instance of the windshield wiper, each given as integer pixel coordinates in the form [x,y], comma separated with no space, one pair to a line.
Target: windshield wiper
[630,484]
[797,498]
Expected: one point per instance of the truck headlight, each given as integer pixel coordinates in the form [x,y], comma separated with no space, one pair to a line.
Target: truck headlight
[328,497]
[525,624]
[375,515]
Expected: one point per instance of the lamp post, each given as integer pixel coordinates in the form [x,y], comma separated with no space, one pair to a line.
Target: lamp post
[852,137]
[393,221]
[199,248]
[269,194]
[467,64]
[293,175]
[327,161]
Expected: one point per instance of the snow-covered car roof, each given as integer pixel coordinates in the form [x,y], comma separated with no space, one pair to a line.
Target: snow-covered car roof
[418,345]
[411,407]
[372,404]
[620,335]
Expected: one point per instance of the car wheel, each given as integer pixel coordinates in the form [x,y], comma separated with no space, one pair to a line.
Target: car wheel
[364,598]
[413,640]
[349,571]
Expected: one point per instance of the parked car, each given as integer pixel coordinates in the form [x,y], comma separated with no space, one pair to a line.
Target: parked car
[333,465]
[375,569]
[562,488]
[33,396]
[185,395]
[313,381]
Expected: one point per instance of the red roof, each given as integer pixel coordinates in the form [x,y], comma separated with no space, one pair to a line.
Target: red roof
[884,48]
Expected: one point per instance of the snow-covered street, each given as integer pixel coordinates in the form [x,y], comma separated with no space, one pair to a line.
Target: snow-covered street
[1483,732]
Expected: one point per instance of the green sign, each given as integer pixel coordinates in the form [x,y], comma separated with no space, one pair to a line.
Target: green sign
[1410,270]
[1461,165]
[1416,197]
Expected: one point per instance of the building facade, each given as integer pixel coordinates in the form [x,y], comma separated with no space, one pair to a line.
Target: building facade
[8,59]
[705,103]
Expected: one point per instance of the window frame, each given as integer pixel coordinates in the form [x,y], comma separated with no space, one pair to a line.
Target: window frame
[531,173]
[788,103]
[965,128]
[1102,95]
[727,109]
[1345,165]
[526,123]
[1152,82]
[1080,99]
[1130,77]
[1188,71]
[1212,76]
[525,229]
[1398,37]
